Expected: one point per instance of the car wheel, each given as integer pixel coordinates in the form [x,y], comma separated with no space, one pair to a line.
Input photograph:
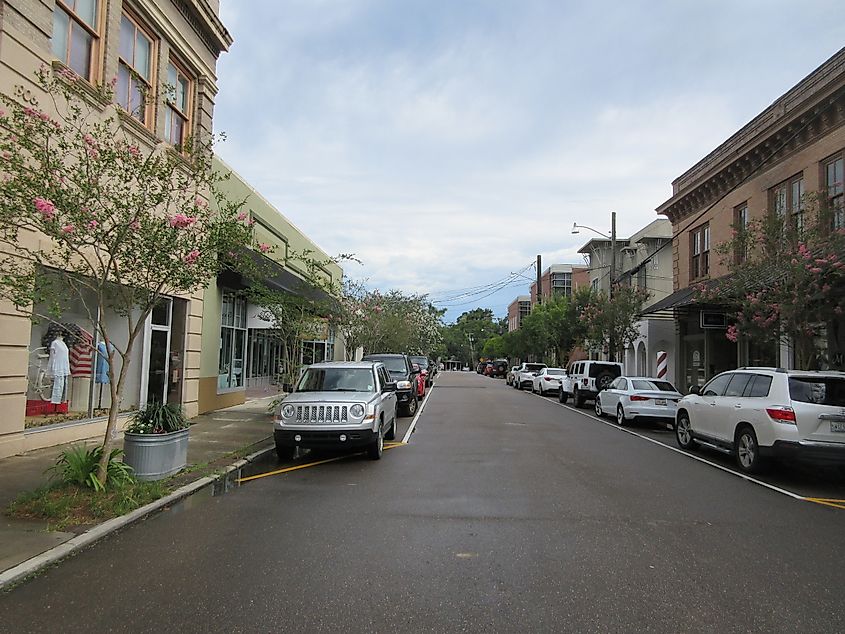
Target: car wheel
[599,410]
[747,450]
[411,407]
[376,449]
[391,433]
[579,400]
[284,452]
[620,416]
[683,432]
[562,396]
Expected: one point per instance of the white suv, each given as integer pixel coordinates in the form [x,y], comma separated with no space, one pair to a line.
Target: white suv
[755,413]
[585,379]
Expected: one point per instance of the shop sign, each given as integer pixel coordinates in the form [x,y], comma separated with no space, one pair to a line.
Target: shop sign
[713,320]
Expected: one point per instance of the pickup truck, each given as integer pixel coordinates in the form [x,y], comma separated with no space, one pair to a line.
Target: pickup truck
[524,376]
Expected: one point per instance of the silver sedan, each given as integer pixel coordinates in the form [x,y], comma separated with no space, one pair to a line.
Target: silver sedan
[634,397]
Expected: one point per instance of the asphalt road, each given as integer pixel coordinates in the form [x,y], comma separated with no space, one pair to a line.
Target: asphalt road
[504,513]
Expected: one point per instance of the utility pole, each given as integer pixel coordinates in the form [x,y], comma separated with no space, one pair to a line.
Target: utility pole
[612,276]
[539,280]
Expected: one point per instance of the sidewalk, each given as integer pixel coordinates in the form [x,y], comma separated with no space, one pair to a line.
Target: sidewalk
[213,436]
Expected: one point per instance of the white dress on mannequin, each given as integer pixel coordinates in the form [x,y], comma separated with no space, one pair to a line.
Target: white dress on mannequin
[58,366]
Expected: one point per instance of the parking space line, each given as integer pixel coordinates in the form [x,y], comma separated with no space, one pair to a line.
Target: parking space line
[748,478]
[417,417]
[311,464]
[834,503]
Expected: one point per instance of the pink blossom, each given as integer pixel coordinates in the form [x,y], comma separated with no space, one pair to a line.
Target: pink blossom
[68,229]
[821,261]
[181,221]
[826,288]
[263,247]
[251,222]
[816,270]
[89,140]
[199,202]
[93,224]
[135,225]
[242,215]
[2,113]
[192,257]
[134,150]
[732,333]
[46,207]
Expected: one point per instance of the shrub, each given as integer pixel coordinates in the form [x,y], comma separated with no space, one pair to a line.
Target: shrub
[78,465]
[158,418]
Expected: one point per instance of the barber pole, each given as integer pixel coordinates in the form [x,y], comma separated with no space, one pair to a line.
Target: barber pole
[662,364]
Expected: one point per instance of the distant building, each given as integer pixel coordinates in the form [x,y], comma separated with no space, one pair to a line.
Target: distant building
[560,279]
[517,310]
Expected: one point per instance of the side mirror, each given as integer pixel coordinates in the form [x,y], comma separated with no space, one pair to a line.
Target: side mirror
[695,390]
[389,387]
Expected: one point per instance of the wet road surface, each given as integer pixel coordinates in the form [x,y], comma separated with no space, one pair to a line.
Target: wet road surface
[504,513]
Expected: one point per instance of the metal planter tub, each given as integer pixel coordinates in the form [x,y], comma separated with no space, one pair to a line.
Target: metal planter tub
[156,456]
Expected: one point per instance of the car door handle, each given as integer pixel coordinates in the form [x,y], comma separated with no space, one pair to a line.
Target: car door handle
[738,406]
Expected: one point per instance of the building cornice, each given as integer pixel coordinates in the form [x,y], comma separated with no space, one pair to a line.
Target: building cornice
[207,24]
[808,111]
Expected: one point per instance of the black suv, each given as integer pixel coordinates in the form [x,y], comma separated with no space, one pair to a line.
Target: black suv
[401,371]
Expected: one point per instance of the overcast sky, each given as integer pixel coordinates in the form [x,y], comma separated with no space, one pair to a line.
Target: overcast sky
[447,142]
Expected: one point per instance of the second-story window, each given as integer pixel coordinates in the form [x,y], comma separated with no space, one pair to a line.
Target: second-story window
[787,201]
[700,251]
[76,34]
[134,72]
[741,232]
[177,118]
[834,180]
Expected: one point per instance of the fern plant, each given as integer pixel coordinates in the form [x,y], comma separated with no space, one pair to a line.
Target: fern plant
[78,465]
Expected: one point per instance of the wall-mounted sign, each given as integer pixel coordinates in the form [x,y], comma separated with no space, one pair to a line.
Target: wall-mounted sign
[713,320]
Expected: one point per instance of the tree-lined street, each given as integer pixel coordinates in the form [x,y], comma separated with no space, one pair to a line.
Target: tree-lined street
[505,512]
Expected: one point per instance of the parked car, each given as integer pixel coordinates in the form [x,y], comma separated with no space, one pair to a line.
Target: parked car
[758,413]
[547,380]
[509,379]
[419,380]
[426,368]
[401,370]
[499,368]
[631,397]
[525,374]
[481,367]
[338,404]
[488,369]
[585,379]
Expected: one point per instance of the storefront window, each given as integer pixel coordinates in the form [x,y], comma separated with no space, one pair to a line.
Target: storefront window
[232,342]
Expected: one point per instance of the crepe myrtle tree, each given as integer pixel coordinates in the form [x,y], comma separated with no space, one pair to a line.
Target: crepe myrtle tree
[86,213]
[786,279]
[610,322]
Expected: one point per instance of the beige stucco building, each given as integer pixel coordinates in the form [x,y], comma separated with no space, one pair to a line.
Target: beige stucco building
[141,45]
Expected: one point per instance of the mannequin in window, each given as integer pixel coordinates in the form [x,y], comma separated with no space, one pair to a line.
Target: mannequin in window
[58,366]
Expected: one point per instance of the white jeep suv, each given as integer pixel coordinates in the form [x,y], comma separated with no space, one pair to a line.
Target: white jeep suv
[585,379]
[755,413]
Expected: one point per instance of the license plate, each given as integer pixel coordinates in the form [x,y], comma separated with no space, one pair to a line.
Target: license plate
[837,426]
[660,401]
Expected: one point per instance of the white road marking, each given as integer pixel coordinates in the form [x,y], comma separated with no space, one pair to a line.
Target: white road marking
[417,417]
[679,451]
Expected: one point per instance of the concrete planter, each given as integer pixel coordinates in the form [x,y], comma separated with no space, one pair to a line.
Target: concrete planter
[156,456]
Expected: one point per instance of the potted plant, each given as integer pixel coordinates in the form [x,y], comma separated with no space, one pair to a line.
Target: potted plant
[155,444]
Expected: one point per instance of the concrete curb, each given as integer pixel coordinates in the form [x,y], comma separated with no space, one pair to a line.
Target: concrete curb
[57,553]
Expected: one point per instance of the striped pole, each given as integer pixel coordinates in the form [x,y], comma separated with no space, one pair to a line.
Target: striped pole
[662,364]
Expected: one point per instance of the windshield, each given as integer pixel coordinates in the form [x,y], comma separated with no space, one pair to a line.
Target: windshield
[823,390]
[555,371]
[337,380]
[660,386]
[420,361]
[394,365]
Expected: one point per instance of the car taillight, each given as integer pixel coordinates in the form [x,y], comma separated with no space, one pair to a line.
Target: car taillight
[636,397]
[781,414]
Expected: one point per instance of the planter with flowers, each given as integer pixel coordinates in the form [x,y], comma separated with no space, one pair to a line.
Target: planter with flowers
[155,444]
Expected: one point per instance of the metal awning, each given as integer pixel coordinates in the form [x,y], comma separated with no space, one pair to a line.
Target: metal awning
[275,276]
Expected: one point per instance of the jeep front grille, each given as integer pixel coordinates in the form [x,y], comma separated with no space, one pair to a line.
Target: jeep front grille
[322,414]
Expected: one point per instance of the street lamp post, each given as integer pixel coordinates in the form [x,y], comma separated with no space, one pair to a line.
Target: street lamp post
[612,236]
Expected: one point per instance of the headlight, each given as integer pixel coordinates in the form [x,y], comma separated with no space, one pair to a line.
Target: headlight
[403,385]
[357,410]
[288,411]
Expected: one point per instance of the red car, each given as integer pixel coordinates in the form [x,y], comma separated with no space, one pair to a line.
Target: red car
[419,378]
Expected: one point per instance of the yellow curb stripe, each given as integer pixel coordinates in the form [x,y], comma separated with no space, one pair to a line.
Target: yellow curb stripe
[310,464]
[826,502]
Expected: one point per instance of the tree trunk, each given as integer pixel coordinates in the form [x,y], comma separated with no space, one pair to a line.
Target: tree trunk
[116,391]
